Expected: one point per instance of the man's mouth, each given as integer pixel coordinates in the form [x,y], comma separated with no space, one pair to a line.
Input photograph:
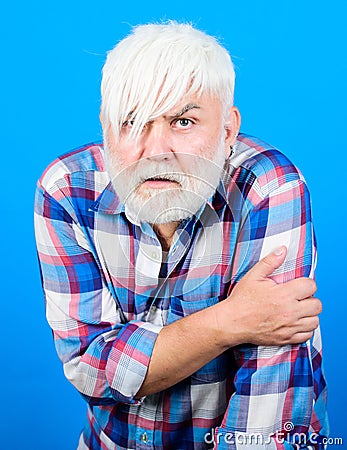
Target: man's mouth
[159,182]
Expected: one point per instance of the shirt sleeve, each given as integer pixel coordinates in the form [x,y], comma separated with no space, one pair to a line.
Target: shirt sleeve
[280,392]
[105,358]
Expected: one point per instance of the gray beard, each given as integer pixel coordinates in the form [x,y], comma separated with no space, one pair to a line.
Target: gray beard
[172,204]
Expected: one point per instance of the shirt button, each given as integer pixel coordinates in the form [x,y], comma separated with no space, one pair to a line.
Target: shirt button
[144,437]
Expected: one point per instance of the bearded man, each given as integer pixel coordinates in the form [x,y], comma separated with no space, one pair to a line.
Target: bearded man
[177,261]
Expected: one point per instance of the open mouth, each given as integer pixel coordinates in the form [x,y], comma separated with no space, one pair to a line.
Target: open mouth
[160,179]
[159,182]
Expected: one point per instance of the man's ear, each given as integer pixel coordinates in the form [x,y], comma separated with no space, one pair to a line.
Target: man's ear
[101,118]
[232,128]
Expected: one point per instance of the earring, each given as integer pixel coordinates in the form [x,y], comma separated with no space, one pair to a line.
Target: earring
[232,151]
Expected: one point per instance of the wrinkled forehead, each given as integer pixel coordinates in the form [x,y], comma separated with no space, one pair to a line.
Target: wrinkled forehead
[175,106]
[168,99]
[167,92]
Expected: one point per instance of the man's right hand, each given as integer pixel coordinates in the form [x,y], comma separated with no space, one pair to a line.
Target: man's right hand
[262,312]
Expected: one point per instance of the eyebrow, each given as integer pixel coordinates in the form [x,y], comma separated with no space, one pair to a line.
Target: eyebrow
[179,113]
[185,109]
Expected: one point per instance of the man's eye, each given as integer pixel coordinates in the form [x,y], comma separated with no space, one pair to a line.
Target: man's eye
[128,124]
[183,123]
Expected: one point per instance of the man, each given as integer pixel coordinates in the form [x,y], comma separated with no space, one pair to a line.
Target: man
[177,262]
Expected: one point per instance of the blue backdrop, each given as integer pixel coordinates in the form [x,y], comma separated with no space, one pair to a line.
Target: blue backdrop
[290,64]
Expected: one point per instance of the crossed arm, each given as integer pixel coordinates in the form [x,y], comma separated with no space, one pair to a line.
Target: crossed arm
[91,342]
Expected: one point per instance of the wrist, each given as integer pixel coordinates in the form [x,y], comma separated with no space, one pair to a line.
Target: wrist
[229,324]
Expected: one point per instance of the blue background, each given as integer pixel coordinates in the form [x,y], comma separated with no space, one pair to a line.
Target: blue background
[290,63]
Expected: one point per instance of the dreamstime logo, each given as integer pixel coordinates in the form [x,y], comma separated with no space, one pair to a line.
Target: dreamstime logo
[217,436]
[288,426]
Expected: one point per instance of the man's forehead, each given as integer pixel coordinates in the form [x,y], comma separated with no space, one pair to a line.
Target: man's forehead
[185,104]
[195,101]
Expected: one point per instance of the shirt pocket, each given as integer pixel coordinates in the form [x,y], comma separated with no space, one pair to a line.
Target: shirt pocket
[180,308]
[217,369]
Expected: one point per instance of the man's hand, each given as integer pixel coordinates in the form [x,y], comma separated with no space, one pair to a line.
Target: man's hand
[268,313]
[258,311]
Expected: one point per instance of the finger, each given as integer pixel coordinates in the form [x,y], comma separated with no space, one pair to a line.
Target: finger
[309,307]
[267,265]
[300,338]
[307,324]
[300,288]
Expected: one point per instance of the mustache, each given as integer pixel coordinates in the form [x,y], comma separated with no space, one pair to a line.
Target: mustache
[144,171]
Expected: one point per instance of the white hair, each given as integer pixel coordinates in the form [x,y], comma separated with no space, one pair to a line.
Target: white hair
[148,73]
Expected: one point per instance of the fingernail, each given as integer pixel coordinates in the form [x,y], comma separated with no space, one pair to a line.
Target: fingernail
[279,251]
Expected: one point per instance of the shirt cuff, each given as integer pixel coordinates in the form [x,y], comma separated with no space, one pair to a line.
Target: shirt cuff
[129,358]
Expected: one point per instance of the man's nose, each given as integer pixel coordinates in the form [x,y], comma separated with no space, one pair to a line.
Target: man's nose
[156,143]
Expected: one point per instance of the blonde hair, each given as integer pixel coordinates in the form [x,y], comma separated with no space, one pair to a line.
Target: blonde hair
[148,72]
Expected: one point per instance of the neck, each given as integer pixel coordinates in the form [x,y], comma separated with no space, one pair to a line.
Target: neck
[165,233]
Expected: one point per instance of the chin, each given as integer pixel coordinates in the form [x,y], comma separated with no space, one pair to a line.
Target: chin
[169,205]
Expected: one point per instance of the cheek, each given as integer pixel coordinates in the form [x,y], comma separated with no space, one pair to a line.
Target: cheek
[196,144]
[212,143]
[214,136]
[123,151]
[125,154]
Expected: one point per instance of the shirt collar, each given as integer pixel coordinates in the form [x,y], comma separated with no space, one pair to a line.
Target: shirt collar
[108,201]
[219,198]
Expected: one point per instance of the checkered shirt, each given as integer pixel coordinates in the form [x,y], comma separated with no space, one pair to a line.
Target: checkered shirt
[108,294]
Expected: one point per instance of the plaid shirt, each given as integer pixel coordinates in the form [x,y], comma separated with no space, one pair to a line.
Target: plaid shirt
[108,294]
